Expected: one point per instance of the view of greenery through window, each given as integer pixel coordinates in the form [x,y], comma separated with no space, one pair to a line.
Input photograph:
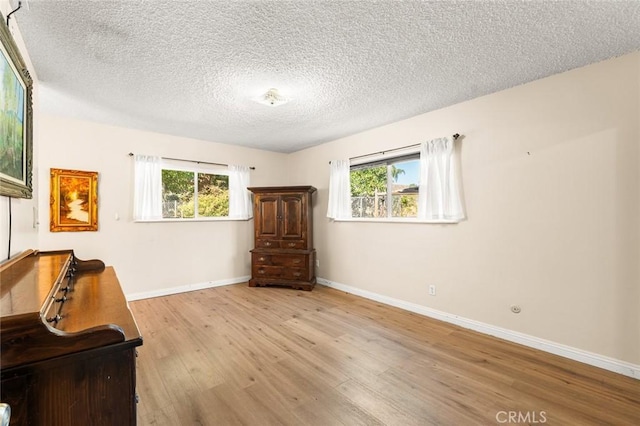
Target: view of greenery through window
[179,189]
[370,191]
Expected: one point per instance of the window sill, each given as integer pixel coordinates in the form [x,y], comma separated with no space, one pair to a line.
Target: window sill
[397,220]
[199,219]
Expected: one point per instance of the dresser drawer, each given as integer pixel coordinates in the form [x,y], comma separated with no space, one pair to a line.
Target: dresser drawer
[293,260]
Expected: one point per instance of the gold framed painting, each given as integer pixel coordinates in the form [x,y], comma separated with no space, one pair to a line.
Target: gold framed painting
[74,201]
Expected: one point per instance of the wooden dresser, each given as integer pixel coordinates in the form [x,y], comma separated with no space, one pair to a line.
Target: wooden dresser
[283,225]
[68,342]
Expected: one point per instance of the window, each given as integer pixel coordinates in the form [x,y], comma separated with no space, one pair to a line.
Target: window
[373,184]
[166,189]
[190,194]
[405,187]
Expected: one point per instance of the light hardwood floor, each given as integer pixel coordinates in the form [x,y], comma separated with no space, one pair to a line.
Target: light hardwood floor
[236,355]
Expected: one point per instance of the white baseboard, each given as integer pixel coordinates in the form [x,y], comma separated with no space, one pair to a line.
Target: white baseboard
[601,361]
[185,288]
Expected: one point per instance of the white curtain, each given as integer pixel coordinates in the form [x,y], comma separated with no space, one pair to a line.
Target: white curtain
[439,196]
[147,194]
[339,190]
[240,206]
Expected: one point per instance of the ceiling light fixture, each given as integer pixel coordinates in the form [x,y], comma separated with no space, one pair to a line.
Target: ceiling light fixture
[272,98]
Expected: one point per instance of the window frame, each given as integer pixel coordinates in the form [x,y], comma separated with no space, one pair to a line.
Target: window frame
[176,165]
[387,160]
[380,158]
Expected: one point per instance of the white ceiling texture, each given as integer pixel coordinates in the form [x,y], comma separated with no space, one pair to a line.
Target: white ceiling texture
[191,68]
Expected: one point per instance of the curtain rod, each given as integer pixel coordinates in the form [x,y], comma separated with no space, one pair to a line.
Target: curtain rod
[455,137]
[193,161]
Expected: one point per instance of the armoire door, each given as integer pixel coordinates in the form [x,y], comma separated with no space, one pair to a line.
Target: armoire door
[293,216]
[267,216]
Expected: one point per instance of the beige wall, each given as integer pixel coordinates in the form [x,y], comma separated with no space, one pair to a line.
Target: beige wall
[550,176]
[24,233]
[147,256]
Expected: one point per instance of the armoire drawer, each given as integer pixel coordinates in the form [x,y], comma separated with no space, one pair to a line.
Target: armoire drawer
[281,244]
[292,245]
[292,260]
[269,244]
[281,272]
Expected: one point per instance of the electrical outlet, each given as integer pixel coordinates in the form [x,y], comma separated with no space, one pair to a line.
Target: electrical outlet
[432,290]
[317,263]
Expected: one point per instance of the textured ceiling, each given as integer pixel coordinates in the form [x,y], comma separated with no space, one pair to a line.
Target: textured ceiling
[191,68]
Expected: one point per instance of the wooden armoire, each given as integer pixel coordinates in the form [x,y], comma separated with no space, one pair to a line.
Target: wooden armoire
[283,251]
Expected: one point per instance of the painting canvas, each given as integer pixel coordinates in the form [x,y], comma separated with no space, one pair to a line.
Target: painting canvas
[12,162]
[15,121]
[74,200]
